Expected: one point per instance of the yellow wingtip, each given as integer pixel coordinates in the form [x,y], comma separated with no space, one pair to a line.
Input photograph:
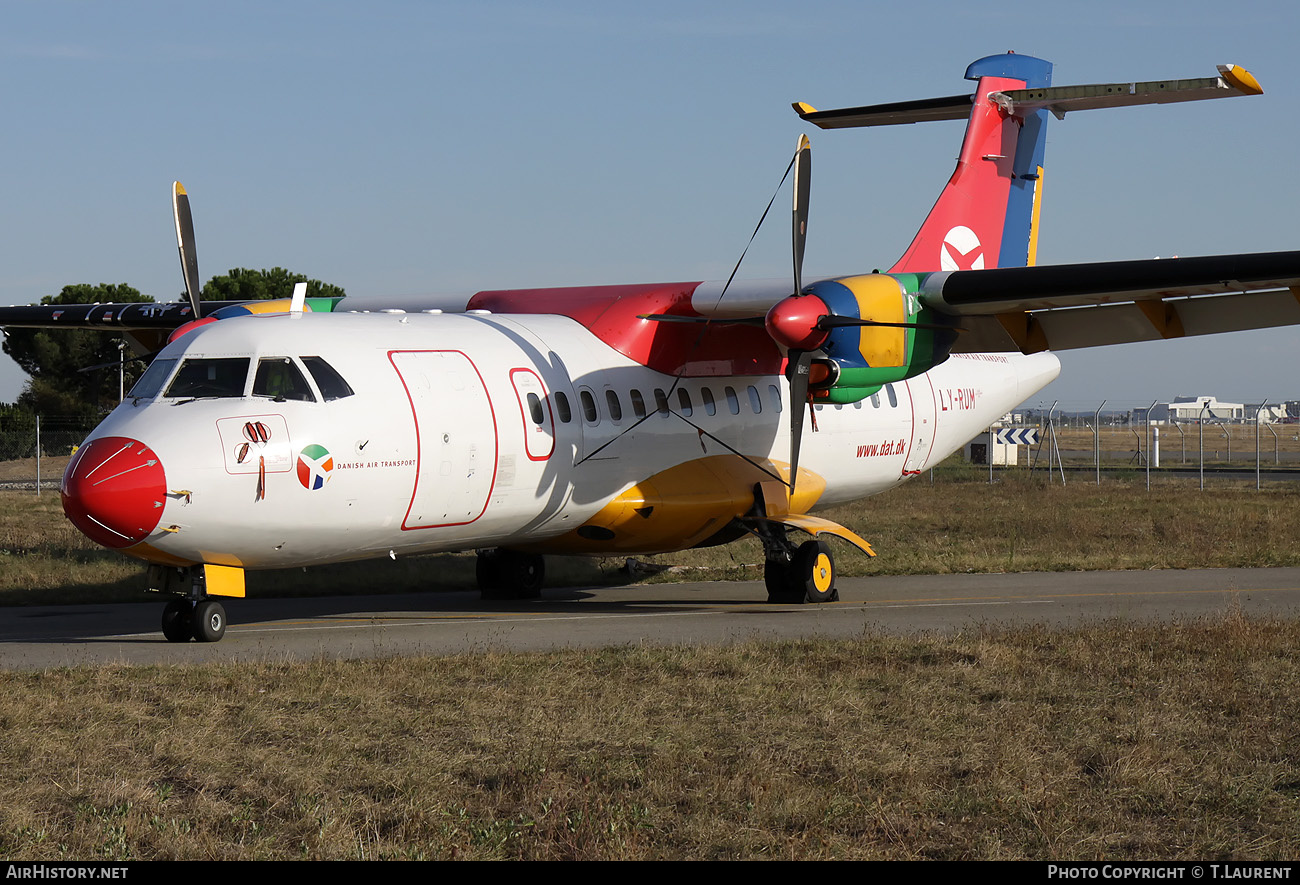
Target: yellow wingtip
[1241,79]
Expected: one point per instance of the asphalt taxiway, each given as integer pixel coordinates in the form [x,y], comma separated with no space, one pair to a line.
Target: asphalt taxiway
[690,613]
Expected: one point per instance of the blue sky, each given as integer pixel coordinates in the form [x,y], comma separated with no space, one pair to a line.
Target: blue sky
[406,147]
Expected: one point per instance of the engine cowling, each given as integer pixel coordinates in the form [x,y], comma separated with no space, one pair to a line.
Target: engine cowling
[865,357]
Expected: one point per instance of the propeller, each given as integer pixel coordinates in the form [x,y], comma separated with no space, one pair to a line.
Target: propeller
[800,358]
[185,242]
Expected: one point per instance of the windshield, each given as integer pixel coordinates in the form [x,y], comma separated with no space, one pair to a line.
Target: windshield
[152,380]
[224,376]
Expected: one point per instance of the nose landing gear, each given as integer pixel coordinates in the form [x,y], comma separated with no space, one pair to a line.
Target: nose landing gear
[193,615]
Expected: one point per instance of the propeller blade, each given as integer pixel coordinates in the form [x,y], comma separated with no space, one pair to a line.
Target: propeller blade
[185,242]
[799,214]
[800,365]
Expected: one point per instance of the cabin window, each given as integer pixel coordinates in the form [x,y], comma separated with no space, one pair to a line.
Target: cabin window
[755,401]
[638,403]
[331,383]
[661,402]
[774,394]
[562,406]
[733,401]
[615,407]
[280,379]
[152,380]
[684,401]
[588,406]
[875,400]
[221,377]
[535,408]
[710,407]
[893,397]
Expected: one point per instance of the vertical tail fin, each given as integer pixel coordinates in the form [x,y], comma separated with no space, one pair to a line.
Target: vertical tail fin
[987,215]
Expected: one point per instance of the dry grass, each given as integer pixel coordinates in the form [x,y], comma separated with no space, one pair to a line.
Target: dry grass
[958,524]
[1119,741]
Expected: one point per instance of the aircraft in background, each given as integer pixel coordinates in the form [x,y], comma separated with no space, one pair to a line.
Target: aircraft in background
[632,419]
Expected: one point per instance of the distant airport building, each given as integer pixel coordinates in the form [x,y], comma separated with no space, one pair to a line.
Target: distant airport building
[1189,410]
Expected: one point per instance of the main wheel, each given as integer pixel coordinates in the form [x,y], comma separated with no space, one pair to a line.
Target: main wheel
[178,620]
[487,573]
[779,577]
[814,569]
[526,572]
[209,621]
[510,574]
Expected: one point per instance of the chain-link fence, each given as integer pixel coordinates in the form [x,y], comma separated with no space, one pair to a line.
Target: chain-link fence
[1261,444]
[36,449]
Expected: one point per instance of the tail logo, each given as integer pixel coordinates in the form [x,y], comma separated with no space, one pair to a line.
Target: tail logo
[961,250]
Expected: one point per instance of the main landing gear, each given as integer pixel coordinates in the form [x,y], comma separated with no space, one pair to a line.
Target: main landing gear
[510,574]
[805,573]
[193,615]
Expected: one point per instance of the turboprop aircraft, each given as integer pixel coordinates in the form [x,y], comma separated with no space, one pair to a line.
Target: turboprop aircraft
[631,419]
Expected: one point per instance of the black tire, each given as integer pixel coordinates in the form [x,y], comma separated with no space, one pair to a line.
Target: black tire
[510,574]
[487,573]
[779,576]
[814,567]
[209,621]
[524,574]
[178,620]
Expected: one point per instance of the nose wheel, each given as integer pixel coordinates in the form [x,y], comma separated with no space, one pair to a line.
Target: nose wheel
[183,620]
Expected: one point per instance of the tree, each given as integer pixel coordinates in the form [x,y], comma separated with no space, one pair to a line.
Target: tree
[53,357]
[242,284]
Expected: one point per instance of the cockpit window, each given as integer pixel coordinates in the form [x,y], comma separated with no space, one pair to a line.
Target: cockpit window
[278,378]
[224,376]
[331,383]
[151,381]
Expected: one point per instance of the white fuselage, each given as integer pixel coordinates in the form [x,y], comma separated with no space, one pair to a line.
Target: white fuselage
[475,430]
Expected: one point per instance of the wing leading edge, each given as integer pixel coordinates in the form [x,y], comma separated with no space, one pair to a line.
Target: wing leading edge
[1063,307]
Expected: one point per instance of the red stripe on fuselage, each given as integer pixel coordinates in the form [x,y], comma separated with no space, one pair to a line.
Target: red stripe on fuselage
[612,314]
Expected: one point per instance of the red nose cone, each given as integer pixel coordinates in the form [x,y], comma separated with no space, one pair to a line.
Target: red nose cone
[114,491]
[793,322]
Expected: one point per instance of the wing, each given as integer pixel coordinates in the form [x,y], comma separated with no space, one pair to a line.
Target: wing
[1068,306]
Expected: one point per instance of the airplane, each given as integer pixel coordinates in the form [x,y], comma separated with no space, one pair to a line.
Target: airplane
[627,419]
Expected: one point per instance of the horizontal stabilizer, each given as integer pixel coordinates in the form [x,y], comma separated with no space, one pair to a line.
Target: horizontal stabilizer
[1060,100]
[1233,80]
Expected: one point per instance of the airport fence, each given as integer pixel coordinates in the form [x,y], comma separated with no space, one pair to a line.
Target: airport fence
[1080,446]
[35,449]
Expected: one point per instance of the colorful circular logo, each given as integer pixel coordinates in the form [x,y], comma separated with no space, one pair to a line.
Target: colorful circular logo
[315,464]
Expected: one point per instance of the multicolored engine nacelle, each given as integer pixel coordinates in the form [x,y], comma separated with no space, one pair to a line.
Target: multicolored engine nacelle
[860,359]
